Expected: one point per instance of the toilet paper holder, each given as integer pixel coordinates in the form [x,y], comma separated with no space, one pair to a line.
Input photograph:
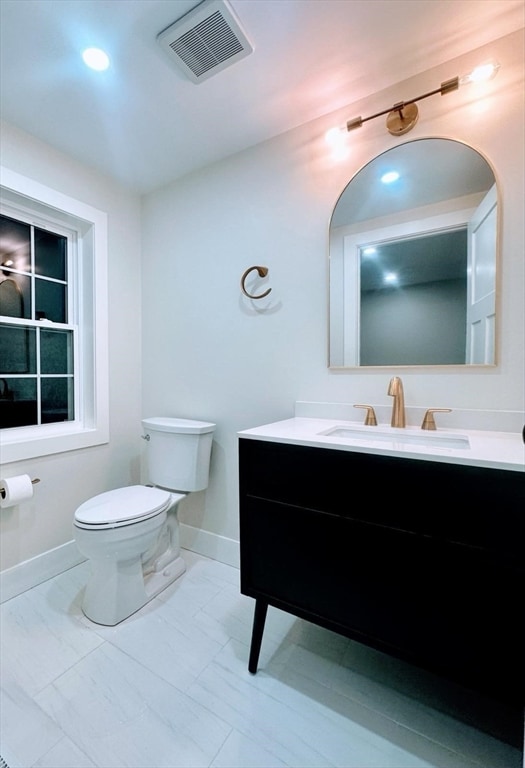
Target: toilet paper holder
[2,489]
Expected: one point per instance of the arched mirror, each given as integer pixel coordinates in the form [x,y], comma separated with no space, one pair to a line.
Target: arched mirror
[413,243]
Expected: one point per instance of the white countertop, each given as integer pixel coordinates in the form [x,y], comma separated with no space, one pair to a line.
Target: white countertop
[497,450]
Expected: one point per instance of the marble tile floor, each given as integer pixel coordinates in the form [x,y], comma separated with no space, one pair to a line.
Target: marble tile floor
[170,687]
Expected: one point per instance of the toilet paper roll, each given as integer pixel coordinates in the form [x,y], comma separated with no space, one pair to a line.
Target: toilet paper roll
[15,490]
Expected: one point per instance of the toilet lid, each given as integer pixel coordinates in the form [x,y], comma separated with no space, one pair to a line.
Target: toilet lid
[123,504]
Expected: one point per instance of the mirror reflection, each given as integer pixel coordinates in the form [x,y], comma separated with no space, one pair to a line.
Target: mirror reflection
[413,260]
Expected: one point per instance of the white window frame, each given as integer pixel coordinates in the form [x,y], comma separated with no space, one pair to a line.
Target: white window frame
[91,424]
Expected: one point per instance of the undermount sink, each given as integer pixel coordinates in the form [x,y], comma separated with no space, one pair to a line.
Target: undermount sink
[399,436]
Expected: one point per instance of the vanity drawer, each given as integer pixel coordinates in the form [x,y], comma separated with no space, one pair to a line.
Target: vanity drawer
[470,505]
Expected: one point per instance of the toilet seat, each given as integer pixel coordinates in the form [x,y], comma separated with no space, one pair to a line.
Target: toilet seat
[123,506]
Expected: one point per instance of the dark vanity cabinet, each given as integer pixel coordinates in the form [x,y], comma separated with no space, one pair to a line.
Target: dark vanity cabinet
[420,559]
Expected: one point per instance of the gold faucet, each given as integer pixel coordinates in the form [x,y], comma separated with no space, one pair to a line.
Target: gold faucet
[395,390]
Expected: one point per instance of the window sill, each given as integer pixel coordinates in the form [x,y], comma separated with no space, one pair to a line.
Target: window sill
[18,444]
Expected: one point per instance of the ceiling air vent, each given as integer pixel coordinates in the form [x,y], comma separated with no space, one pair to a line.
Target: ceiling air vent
[205,40]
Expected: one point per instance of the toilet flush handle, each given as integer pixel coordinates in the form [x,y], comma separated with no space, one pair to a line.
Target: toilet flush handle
[146,437]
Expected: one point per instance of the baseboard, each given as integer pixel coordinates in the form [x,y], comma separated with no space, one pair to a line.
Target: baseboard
[30,573]
[210,545]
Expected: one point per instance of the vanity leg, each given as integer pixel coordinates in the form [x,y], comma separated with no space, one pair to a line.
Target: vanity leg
[259,618]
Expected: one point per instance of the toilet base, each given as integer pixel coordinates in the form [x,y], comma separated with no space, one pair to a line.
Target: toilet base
[125,589]
[157,581]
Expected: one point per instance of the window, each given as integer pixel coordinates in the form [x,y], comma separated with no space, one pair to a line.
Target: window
[53,321]
[37,365]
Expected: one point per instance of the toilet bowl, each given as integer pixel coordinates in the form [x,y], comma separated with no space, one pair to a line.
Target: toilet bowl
[131,535]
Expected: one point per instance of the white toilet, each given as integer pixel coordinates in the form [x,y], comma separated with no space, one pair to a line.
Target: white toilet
[131,535]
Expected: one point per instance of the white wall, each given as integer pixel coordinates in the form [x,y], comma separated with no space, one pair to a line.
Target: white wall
[67,479]
[210,353]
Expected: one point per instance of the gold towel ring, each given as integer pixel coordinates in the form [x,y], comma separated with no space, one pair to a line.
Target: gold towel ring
[262,272]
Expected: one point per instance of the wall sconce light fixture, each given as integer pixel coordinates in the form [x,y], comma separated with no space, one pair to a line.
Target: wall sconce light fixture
[403,116]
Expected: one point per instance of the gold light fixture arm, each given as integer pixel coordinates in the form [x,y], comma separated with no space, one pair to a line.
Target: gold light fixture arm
[404,115]
[262,272]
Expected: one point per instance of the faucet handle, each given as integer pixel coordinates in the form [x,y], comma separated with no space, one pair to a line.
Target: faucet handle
[370,418]
[428,420]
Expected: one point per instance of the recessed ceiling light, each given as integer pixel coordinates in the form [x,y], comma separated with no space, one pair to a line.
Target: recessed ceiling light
[389,177]
[95,58]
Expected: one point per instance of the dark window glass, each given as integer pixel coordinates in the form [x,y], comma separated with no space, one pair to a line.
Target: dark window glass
[15,245]
[18,404]
[57,400]
[50,301]
[56,351]
[50,254]
[15,296]
[17,349]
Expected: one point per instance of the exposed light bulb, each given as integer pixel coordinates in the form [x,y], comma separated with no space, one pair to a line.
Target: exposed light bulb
[336,140]
[481,73]
[335,137]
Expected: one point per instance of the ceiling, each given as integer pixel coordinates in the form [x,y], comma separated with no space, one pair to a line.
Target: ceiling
[144,123]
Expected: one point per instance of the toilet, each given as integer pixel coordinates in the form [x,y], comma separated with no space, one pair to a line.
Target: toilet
[131,535]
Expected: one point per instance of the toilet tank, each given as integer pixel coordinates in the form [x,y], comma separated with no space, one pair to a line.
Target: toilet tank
[178,452]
